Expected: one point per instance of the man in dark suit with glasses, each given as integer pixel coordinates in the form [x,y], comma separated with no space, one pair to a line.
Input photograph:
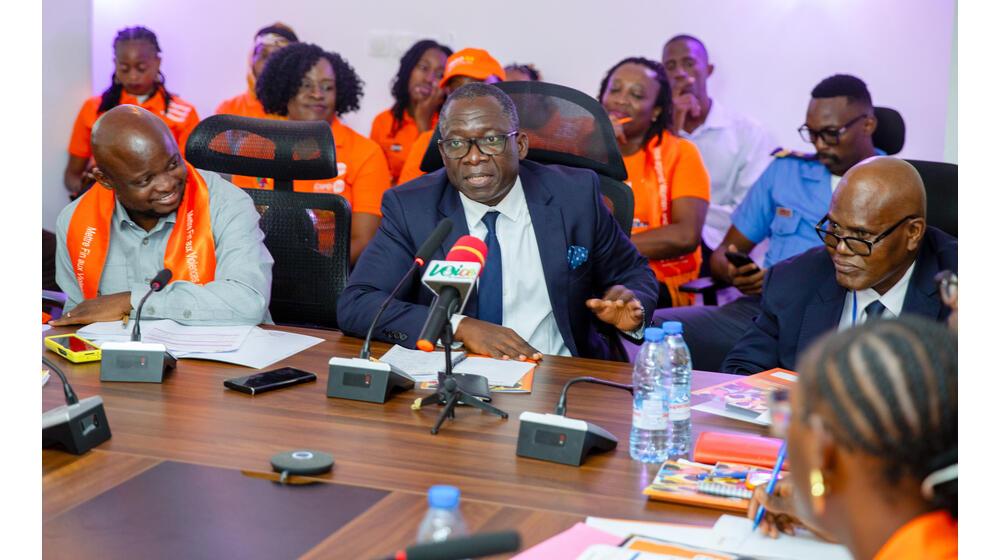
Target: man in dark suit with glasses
[879,259]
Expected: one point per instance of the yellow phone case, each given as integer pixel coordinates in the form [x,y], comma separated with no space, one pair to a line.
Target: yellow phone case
[75,357]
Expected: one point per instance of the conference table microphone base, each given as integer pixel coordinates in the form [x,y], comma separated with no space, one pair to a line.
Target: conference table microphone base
[456,389]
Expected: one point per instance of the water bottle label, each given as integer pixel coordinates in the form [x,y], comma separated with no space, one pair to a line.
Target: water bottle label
[680,408]
[651,415]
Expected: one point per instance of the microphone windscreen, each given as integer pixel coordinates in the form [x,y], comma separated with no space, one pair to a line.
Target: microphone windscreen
[468,249]
[434,241]
[161,279]
[473,546]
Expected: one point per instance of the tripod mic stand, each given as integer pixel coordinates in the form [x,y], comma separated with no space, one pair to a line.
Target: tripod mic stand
[456,388]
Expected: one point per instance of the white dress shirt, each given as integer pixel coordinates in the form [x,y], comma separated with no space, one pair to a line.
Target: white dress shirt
[527,309]
[735,150]
[855,314]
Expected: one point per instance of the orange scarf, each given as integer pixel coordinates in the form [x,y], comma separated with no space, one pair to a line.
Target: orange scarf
[190,252]
[678,270]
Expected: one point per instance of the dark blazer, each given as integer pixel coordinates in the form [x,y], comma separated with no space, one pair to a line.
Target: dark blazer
[566,210]
[802,301]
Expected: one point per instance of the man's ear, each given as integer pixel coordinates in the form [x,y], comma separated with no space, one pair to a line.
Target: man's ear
[870,124]
[711,68]
[915,233]
[101,178]
[522,145]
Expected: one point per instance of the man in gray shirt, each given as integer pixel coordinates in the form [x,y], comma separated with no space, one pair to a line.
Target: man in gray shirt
[152,210]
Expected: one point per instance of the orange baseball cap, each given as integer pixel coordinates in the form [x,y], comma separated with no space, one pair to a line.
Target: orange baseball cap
[474,63]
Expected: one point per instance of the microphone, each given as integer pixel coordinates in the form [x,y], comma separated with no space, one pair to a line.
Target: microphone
[473,546]
[79,425]
[136,360]
[425,251]
[156,284]
[452,280]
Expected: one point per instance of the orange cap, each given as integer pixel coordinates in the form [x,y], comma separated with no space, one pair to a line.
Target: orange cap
[474,63]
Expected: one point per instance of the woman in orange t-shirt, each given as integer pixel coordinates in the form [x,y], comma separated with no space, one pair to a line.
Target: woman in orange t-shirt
[267,41]
[302,82]
[137,80]
[873,443]
[667,176]
[418,100]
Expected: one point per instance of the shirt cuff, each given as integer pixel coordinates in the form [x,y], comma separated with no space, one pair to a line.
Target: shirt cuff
[455,320]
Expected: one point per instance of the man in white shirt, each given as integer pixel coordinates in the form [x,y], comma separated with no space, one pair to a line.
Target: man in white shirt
[879,259]
[557,267]
[736,149]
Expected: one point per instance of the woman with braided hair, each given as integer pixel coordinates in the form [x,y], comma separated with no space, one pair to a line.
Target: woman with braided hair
[137,80]
[873,443]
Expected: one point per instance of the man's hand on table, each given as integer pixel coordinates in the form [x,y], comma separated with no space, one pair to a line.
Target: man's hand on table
[111,307]
[495,341]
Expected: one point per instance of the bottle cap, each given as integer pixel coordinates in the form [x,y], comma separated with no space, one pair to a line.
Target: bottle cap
[443,496]
[654,334]
[673,327]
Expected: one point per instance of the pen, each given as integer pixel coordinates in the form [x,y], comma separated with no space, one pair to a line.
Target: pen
[731,475]
[124,320]
[624,120]
[770,484]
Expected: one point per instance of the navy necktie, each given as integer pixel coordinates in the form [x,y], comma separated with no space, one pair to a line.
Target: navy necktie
[874,310]
[491,279]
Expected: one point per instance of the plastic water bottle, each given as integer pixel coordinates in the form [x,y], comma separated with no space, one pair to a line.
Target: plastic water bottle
[443,520]
[678,376]
[650,399]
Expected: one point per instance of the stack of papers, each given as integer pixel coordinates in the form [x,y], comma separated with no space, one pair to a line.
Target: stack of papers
[241,345]
[424,366]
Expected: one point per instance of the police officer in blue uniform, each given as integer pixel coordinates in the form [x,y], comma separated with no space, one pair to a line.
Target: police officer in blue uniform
[783,206]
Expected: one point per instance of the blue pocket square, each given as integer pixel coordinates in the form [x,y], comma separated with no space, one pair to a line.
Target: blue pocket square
[577,255]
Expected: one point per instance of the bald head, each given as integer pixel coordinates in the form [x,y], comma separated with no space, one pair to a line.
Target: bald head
[128,133]
[880,200]
[884,182]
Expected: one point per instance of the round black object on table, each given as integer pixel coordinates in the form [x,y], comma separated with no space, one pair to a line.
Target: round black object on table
[302,462]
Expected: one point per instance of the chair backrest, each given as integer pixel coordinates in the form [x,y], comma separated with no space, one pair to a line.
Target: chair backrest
[890,134]
[309,237]
[941,183]
[567,127]
[276,149]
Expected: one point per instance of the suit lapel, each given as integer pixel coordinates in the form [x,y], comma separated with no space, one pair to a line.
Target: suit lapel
[922,294]
[823,312]
[550,235]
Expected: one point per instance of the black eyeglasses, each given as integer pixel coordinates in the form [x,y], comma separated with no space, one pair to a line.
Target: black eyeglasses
[858,246]
[831,136]
[492,145]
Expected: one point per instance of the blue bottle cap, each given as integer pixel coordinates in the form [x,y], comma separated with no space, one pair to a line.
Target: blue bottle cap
[673,327]
[443,496]
[654,334]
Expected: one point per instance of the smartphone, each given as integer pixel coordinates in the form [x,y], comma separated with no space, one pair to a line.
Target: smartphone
[269,380]
[738,259]
[74,348]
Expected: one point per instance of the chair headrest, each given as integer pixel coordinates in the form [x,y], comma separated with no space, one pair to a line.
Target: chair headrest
[890,134]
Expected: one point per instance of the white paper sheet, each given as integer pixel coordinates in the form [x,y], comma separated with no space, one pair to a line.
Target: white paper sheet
[421,366]
[693,536]
[261,348]
[733,534]
[177,338]
[719,409]
[505,373]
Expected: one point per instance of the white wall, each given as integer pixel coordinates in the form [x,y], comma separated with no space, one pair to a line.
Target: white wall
[768,53]
[65,84]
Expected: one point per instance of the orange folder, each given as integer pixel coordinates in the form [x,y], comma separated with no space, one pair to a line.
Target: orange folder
[716,447]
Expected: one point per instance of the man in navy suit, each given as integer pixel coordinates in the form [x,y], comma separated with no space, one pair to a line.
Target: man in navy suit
[554,249]
[879,260]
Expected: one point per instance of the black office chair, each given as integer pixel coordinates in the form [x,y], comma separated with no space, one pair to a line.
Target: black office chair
[307,234]
[941,183]
[566,127]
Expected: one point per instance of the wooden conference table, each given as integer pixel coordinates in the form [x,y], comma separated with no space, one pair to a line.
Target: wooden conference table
[191,424]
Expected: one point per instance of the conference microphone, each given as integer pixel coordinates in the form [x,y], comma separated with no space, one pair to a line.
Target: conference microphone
[79,425]
[363,379]
[156,284]
[425,251]
[452,280]
[136,360]
[473,546]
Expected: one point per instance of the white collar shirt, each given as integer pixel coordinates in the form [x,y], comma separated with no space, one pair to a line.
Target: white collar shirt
[854,311]
[527,309]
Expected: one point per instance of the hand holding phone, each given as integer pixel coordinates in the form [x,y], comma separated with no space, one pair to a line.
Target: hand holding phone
[269,380]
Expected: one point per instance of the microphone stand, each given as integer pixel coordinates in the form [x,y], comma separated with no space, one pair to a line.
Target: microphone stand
[454,388]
